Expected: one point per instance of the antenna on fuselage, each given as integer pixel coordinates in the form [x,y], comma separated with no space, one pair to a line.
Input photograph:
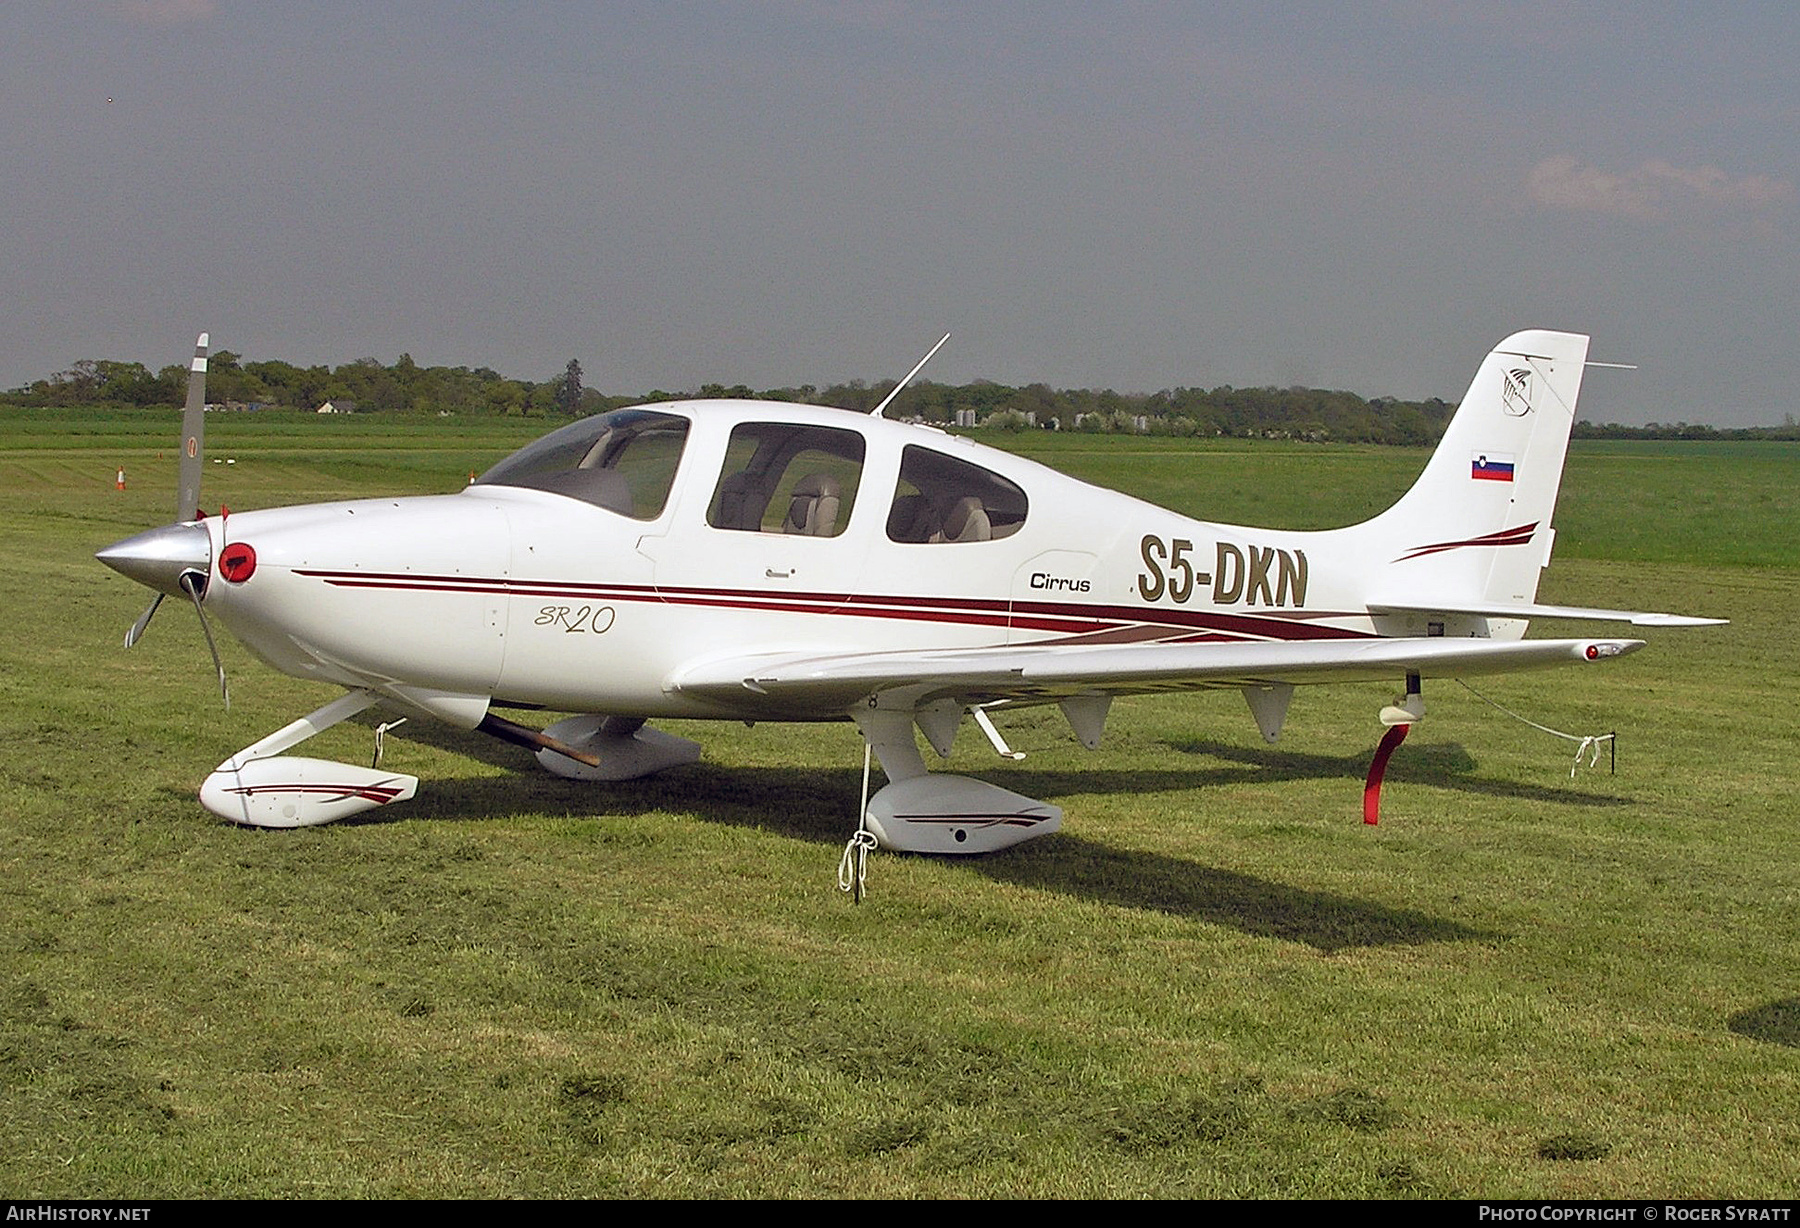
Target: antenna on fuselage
[885,401]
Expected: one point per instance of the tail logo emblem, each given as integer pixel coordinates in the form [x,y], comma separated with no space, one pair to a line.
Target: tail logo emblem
[1515,393]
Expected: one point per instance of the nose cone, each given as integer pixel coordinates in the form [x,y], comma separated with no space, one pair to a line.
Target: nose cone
[157,558]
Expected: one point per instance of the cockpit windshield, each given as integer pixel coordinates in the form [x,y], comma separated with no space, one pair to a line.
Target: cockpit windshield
[623,461]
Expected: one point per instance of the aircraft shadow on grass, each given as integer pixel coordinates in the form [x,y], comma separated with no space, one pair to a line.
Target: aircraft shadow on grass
[1320,919]
[1443,765]
[1776,1023]
[817,805]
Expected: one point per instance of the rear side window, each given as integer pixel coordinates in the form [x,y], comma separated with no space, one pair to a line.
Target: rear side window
[941,499]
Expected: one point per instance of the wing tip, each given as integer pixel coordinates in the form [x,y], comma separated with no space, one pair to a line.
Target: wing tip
[1677,620]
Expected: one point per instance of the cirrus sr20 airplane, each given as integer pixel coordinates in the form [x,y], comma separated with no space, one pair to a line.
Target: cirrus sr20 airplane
[752,561]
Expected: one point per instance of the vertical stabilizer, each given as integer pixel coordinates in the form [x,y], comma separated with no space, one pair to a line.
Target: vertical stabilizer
[1475,527]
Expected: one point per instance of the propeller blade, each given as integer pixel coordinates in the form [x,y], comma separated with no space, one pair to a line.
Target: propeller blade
[193,432]
[191,585]
[137,628]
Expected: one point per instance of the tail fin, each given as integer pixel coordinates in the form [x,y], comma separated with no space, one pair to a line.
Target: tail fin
[1475,527]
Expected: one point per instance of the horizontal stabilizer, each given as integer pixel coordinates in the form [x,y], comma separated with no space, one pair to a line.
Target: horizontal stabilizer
[1510,609]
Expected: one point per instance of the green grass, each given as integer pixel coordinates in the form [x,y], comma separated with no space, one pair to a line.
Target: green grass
[1214,982]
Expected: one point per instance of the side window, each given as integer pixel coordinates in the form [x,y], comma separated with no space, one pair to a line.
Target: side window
[783,478]
[942,499]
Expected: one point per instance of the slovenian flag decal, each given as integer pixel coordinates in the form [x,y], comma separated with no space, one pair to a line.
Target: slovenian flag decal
[1491,466]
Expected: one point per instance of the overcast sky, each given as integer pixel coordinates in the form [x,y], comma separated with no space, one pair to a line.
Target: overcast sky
[1133,196]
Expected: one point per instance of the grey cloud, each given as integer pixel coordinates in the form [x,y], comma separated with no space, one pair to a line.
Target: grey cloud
[1653,190]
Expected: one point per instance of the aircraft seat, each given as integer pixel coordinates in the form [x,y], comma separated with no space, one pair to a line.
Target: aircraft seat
[966,521]
[910,519]
[741,503]
[814,510]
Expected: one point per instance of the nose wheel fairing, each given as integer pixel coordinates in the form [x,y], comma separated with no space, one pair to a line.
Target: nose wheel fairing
[294,791]
[261,787]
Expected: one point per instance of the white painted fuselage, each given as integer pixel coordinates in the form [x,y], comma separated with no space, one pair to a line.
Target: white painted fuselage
[535,598]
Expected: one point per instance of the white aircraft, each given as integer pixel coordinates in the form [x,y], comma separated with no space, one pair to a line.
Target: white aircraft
[751,561]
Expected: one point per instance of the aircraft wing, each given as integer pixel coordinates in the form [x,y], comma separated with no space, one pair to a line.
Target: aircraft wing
[1510,609]
[800,682]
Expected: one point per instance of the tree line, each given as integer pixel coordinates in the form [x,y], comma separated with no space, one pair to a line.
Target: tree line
[1311,414]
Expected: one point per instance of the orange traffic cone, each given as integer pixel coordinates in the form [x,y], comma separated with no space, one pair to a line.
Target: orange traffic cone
[121,479]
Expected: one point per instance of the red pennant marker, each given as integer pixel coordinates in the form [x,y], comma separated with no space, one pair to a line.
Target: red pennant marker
[1395,735]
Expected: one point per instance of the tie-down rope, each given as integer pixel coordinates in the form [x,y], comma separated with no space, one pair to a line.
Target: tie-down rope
[1589,745]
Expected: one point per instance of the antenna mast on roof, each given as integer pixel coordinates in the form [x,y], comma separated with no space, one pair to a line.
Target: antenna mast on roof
[876,412]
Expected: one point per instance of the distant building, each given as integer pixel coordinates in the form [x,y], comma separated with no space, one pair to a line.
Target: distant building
[338,405]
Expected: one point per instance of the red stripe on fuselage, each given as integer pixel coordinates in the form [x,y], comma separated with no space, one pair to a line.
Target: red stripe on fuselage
[1074,618]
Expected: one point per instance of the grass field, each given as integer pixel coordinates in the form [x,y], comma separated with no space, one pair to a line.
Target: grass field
[1216,981]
